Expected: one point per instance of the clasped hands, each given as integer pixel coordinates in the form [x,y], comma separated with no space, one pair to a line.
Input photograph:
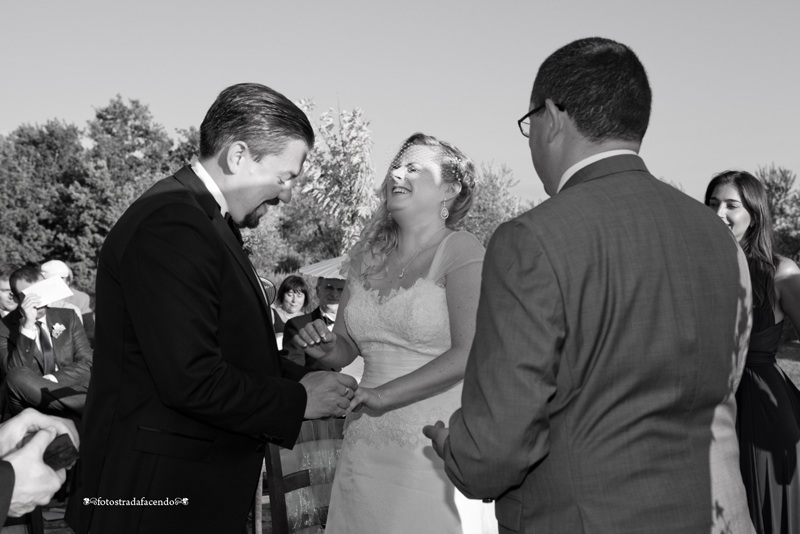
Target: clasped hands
[328,393]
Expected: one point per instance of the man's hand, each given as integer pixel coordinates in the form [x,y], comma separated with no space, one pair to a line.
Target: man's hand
[29,307]
[328,393]
[29,420]
[437,434]
[316,339]
[34,482]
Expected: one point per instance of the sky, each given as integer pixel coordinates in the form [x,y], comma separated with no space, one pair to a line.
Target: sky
[725,74]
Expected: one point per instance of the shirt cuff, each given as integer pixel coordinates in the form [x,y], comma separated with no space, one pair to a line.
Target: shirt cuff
[30,333]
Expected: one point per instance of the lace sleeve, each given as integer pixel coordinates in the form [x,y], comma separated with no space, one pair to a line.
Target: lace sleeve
[457,250]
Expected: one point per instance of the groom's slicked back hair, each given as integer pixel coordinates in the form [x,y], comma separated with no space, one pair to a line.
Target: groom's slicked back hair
[602,85]
[257,115]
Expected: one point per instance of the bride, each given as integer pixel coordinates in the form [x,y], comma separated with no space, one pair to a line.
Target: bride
[409,310]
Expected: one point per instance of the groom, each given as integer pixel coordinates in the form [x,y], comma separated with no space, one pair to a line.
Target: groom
[612,329]
[187,386]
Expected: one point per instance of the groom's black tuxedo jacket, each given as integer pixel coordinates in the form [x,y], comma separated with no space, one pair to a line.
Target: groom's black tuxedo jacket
[187,385]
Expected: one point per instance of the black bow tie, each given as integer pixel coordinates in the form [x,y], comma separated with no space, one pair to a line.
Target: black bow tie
[233,227]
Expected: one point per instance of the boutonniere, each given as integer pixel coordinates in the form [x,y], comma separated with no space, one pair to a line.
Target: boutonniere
[58,329]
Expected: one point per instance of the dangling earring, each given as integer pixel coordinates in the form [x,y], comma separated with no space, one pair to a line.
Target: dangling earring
[444,214]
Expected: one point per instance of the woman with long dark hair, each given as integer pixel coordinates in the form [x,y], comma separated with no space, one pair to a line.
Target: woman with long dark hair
[768,417]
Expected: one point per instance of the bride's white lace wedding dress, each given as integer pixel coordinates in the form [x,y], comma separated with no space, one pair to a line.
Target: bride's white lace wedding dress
[389,479]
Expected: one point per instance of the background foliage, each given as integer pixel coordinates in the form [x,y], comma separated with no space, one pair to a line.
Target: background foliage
[65,186]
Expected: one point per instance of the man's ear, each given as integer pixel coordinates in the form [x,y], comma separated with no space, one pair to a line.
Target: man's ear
[235,156]
[554,120]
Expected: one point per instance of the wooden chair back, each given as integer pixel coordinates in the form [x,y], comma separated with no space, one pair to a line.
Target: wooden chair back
[299,479]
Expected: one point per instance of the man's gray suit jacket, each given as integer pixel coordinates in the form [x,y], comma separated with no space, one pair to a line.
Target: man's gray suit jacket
[598,396]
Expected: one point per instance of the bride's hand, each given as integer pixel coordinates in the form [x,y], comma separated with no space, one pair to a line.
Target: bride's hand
[368,397]
[316,339]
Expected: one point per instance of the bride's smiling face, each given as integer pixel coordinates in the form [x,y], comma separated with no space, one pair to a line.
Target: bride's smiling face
[414,181]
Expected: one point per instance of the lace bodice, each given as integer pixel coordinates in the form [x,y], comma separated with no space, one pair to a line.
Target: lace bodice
[412,321]
[399,333]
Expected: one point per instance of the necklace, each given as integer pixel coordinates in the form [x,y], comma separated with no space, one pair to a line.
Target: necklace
[420,249]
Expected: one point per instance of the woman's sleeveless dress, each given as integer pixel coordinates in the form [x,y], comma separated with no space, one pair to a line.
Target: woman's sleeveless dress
[278,323]
[768,426]
[388,478]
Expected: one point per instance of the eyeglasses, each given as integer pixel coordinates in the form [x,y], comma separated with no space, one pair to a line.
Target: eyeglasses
[525,122]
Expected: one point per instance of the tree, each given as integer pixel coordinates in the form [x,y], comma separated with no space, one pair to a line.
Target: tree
[337,187]
[130,147]
[493,203]
[188,146]
[128,151]
[36,163]
[784,206]
[267,248]
[65,188]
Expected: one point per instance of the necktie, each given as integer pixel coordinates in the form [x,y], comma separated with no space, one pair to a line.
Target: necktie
[233,227]
[47,350]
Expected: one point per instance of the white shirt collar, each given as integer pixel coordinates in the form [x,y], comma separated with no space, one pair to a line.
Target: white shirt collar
[588,161]
[211,185]
[331,316]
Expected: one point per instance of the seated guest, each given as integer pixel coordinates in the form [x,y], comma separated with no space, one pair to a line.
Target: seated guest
[79,301]
[292,296]
[45,351]
[78,298]
[329,291]
[7,302]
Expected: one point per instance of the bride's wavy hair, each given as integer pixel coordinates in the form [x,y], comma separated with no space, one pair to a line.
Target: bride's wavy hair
[380,235]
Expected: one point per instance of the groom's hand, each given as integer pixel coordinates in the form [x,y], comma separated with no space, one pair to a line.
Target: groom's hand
[327,393]
[437,434]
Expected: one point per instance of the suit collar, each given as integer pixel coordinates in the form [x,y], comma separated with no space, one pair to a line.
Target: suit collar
[606,167]
[12,321]
[205,199]
[211,185]
[316,313]
[197,188]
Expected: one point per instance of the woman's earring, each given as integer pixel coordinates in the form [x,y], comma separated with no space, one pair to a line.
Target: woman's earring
[444,214]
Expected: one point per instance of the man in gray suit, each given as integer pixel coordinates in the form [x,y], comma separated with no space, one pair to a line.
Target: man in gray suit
[612,328]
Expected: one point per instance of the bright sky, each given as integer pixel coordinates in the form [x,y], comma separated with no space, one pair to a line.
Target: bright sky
[725,73]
